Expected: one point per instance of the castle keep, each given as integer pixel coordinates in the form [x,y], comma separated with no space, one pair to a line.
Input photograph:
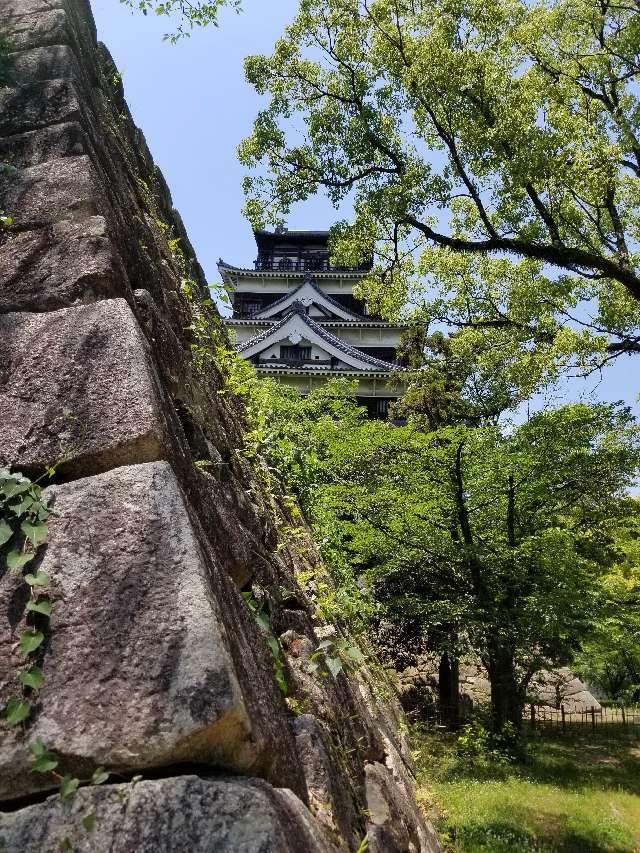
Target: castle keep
[296,319]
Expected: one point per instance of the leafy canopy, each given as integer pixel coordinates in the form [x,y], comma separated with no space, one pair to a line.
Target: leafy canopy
[492,153]
[189,15]
[464,537]
[611,657]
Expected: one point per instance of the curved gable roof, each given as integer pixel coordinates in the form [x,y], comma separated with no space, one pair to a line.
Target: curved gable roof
[308,290]
[314,332]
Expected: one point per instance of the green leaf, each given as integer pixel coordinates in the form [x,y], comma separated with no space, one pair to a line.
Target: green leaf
[66,844]
[32,678]
[89,821]
[23,506]
[43,513]
[354,653]
[37,747]
[334,665]
[17,711]
[45,763]
[30,641]
[39,579]
[17,560]
[16,487]
[274,646]
[263,621]
[100,776]
[43,605]
[35,533]
[5,533]
[68,786]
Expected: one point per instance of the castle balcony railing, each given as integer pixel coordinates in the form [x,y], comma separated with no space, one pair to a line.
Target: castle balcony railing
[296,362]
[296,262]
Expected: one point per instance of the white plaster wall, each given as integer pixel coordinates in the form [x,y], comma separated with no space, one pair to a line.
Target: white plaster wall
[281,285]
[376,337]
[367,387]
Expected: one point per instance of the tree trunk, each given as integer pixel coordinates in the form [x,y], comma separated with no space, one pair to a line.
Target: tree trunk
[449,691]
[506,695]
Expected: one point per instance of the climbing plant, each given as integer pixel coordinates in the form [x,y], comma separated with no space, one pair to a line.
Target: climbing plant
[263,621]
[24,529]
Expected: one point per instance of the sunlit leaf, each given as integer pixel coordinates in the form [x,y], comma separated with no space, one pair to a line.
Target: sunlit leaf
[30,641]
[35,533]
[43,606]
[17,711]
[32,678]
[17,560]
[39,579]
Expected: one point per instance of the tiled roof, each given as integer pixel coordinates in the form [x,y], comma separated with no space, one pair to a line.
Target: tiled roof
[338,343]
[223,265]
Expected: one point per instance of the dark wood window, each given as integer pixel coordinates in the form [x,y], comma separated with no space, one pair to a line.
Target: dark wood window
[295,353]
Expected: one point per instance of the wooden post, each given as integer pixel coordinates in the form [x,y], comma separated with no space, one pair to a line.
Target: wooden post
[564,723]
[533,717]
[624,719]
[593,718]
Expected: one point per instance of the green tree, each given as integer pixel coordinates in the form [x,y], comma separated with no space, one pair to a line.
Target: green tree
[484,540]
[492,153]
[610,658]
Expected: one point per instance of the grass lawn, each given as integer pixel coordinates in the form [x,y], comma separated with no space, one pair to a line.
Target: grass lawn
[575,794]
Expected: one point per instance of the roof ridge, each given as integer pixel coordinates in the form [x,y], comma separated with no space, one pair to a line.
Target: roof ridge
[311,282]
[338,343]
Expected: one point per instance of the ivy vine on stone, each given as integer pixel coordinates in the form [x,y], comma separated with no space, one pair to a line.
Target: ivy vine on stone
[23,529]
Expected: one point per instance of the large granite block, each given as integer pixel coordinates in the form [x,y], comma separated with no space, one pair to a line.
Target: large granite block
[56,266]
[186,814]
[396,824]
[46,27]
[76,388]
[17,8]
[64,188]
[37,146]
[44,63]
[136,662]
[37,105]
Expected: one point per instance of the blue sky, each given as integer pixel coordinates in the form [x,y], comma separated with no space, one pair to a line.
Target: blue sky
[194,106]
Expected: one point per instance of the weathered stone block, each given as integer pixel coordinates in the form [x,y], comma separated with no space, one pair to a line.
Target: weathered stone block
[8,8]
[76,387]
[186,814]
[330,797]
[44,63]
[65,188]
[396,824]
[37,146]
[36,30]
[56,266]
[37,105]
[137,669]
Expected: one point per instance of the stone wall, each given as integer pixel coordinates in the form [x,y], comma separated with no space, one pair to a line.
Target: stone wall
[418,687]
[154,664]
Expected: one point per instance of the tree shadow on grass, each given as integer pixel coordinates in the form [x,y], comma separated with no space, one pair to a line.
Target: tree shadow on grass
[508,836]
[566,762]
